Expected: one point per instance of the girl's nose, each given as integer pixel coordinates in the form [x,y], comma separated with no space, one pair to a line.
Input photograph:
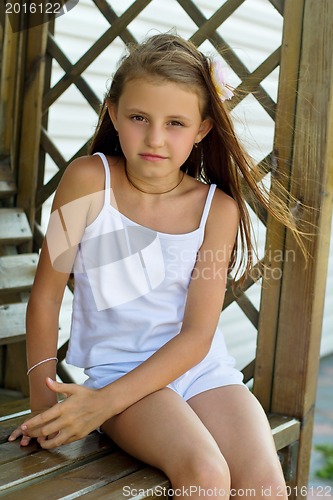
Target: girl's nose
[155,137]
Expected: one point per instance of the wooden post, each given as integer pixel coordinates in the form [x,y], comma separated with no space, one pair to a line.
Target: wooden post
[8,86]
[275,236]
[299,323]
[25,144]
[31,118]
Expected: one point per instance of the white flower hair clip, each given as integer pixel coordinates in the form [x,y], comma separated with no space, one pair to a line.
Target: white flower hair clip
[218,77]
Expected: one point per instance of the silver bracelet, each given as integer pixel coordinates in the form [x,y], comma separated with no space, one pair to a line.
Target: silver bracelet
[40,363]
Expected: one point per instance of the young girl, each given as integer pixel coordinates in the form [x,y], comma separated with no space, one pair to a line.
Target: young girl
[150,222]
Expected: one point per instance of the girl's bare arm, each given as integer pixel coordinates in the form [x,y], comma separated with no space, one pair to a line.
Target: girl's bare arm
[55,263]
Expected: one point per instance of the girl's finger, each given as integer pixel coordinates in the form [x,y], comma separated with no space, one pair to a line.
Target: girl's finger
[40,420]
[61,438]
[25,440]
[43,430]
[41,440]
[61,388]
[15,434]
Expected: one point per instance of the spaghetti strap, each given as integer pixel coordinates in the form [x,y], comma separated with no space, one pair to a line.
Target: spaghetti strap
[207,205]
[107,185]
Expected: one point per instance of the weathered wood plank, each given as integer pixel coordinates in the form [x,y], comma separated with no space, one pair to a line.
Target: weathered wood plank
[12,323]
[28,156]
[81,480]
[8,81]
[274,248]
[12,451]
[14,227]
[7,426]
[303,290]
[17,272]
[9,410]
[146,483]
[285,430]
[44,463]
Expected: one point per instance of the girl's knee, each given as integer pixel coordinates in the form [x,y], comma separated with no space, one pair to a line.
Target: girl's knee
[205,470]
[261,481]
[273,486]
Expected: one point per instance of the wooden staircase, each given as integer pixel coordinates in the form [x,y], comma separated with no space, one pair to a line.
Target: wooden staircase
[17,271]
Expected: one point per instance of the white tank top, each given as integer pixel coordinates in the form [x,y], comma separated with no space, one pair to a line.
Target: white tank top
[131,284]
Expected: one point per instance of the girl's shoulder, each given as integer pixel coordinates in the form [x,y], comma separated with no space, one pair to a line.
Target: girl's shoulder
[224,210]
[84,176]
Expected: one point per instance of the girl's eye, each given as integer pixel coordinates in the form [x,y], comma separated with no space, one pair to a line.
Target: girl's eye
[138,118]
[176,124]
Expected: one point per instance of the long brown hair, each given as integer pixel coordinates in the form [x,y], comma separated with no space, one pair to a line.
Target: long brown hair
[220,158]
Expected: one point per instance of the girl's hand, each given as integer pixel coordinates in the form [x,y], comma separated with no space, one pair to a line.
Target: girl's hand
[80,413]
[25,441]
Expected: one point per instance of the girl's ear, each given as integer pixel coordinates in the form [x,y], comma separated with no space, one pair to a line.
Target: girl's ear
[112,110]
[205,127]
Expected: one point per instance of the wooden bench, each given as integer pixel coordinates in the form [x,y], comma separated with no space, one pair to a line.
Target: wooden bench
[94,466]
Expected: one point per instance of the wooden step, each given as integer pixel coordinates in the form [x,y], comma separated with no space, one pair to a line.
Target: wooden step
[14,227]
[7,183]
[12,323]
[17,272]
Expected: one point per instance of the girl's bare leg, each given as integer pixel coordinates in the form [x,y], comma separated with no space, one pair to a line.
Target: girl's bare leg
[163,430]
[239,425]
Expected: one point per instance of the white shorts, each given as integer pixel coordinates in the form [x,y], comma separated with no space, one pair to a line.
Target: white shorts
[217,369]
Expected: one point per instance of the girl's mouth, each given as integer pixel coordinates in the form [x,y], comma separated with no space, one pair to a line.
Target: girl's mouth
[152,157]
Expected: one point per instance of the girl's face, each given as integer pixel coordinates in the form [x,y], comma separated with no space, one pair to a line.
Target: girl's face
[157,123]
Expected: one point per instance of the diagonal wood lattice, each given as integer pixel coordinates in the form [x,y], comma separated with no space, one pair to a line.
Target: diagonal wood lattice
[207,30]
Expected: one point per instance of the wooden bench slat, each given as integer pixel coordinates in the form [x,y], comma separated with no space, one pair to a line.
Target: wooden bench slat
[10,452]
[12,323]
[14,227]
[286,430]
[44,463]
[7,426]
[142,482]
[82,480]
[12,407]
[17,272]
